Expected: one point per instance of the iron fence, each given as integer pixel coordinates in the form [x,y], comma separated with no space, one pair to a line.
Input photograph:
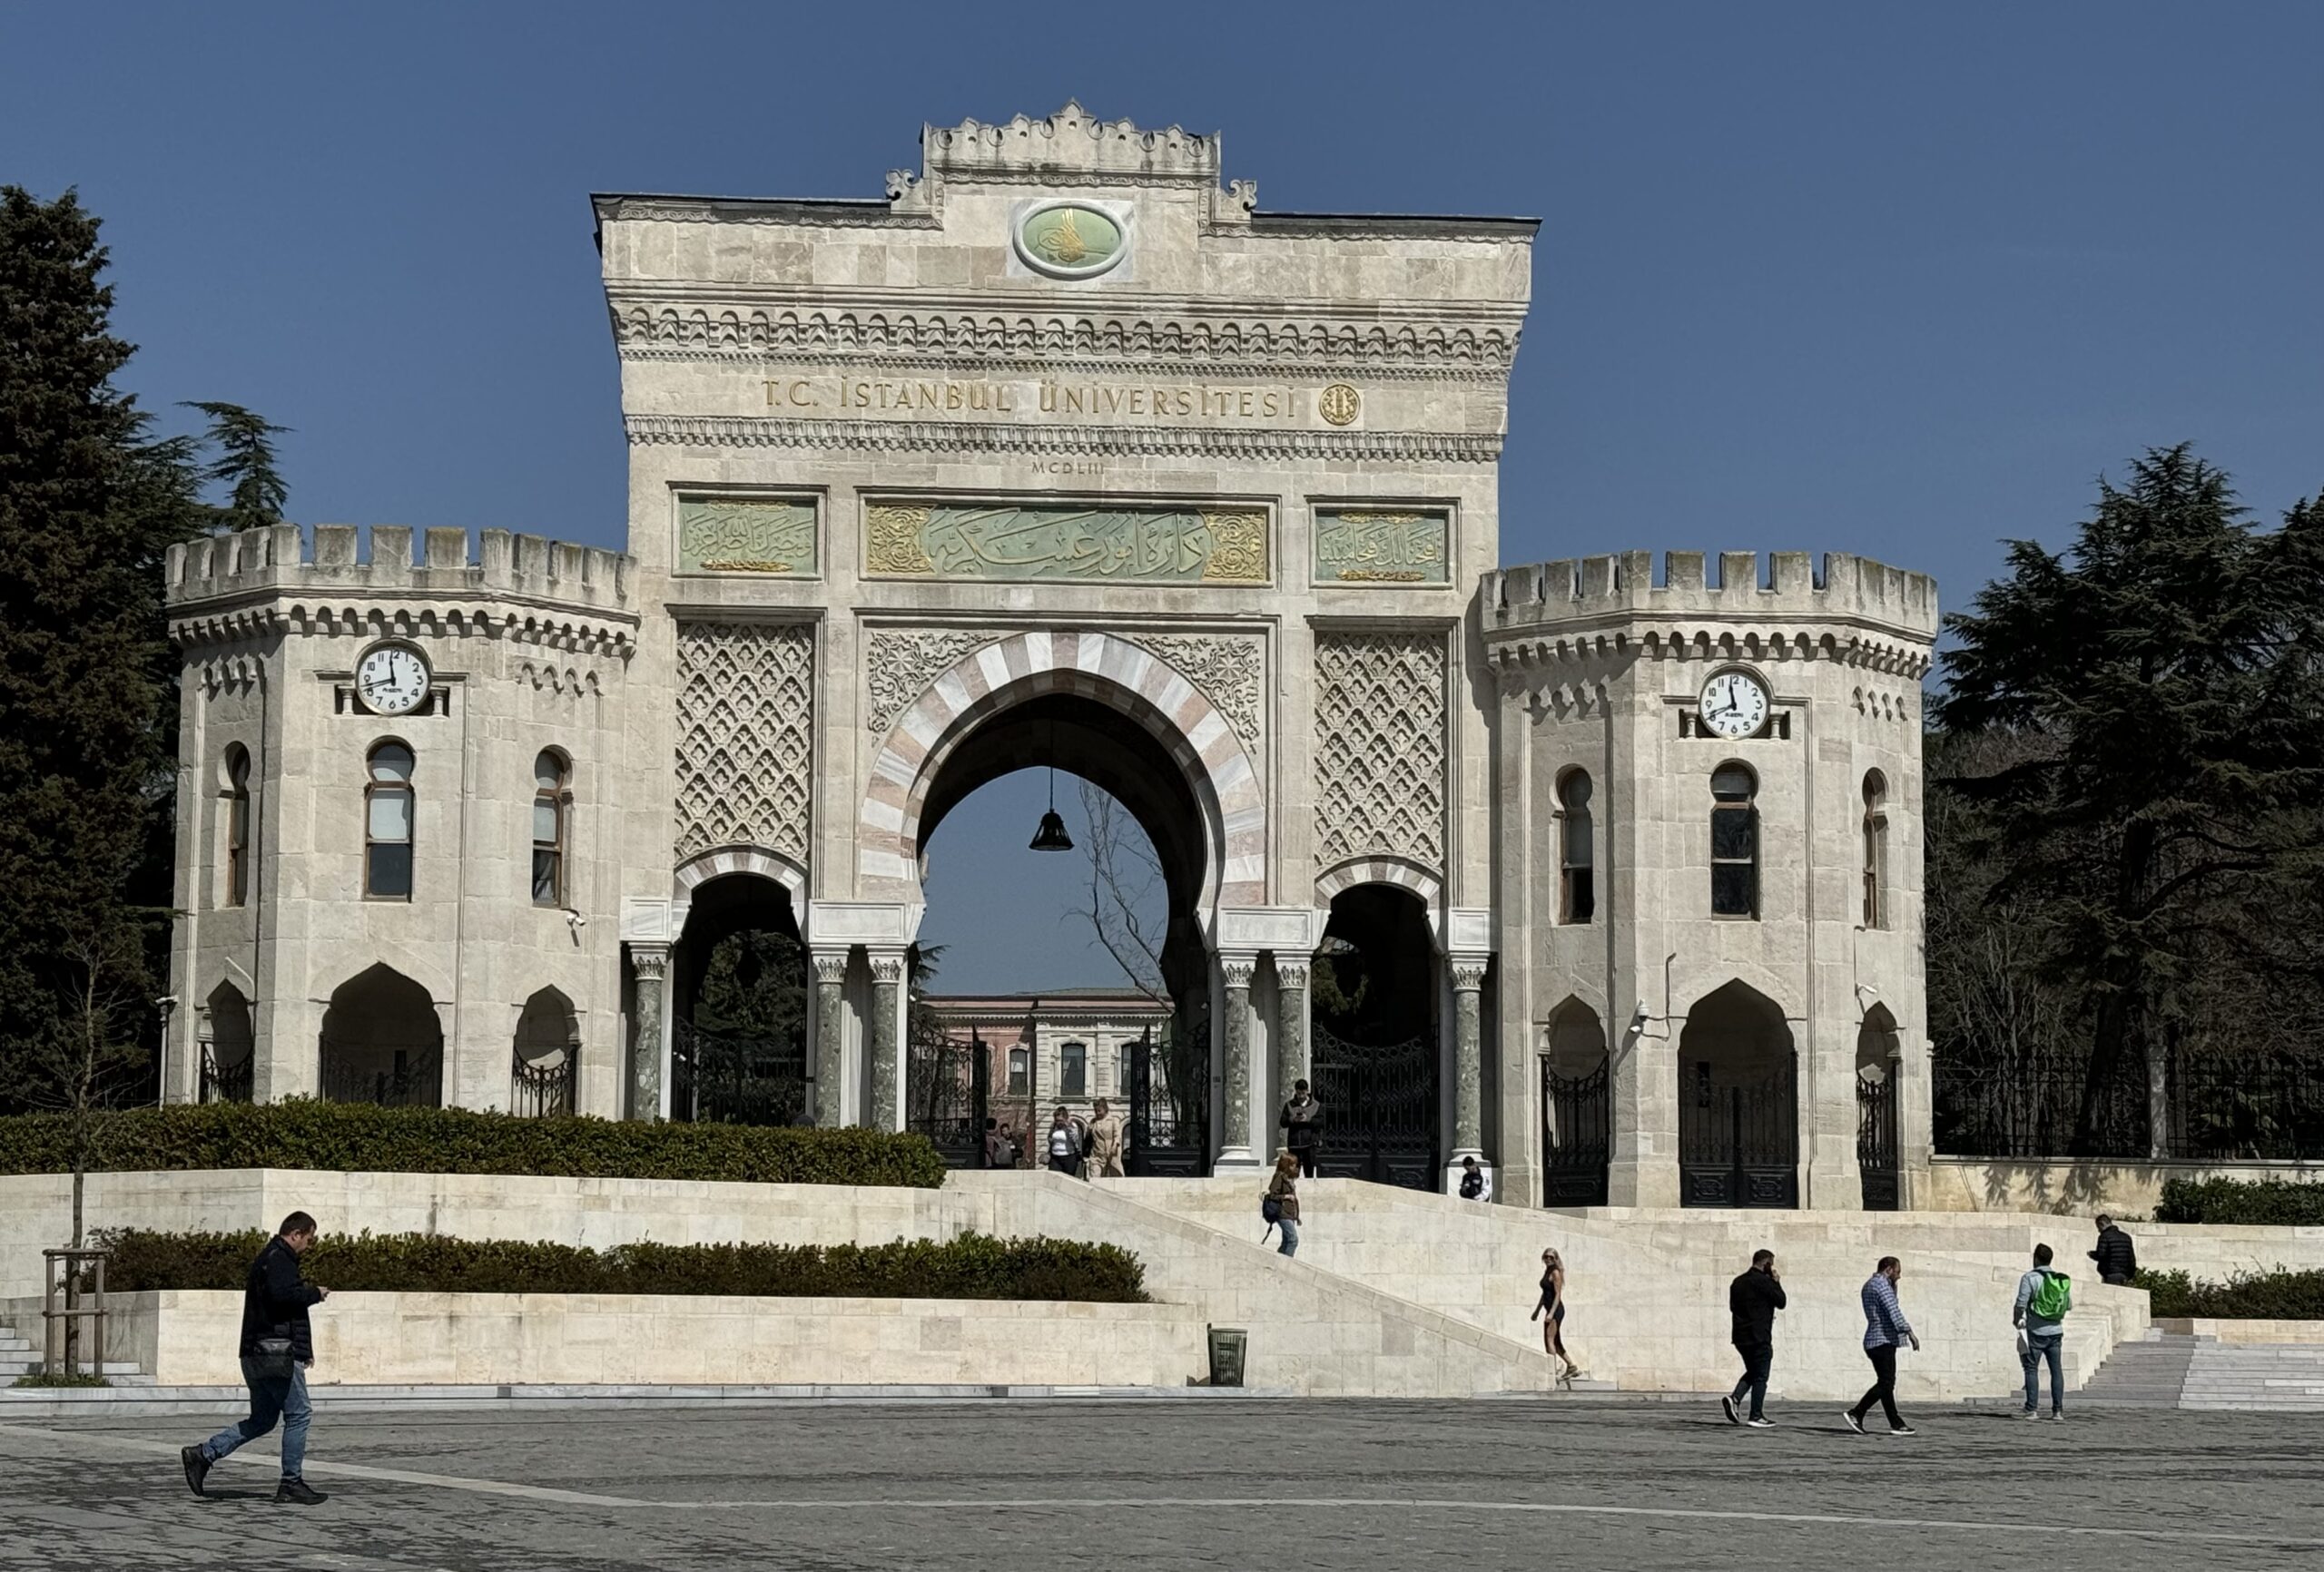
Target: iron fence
[392,1078]
[2215,1108]
[227,1083]
[729,1078]
[536,1092]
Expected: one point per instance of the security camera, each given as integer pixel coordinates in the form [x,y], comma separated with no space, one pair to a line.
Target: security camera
[576,920]
[1638,1018]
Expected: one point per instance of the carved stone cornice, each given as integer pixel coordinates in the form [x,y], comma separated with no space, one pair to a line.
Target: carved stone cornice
[1522,659]
[991,437]
[1037,333]
[268,616]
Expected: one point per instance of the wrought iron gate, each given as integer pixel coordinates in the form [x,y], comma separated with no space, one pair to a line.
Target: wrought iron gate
[1577,1136]
[1876,1141]
[1738,1142]
[727,1079]
[947,1085]
[1379,1109]
[1169,1138]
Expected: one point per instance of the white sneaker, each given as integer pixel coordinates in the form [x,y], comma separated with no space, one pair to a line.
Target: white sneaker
[1760,1424]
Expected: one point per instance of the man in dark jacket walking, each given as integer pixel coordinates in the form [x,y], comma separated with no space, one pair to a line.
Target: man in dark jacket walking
[1303,1127]
[2117,1257]
[1752,1300]
[277,1348]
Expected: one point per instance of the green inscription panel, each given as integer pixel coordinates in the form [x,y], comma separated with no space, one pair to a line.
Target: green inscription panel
[746,535]
[1009,542]
[1374,546]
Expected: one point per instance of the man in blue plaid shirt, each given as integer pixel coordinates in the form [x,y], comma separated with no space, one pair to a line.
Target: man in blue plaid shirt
[1885,1329]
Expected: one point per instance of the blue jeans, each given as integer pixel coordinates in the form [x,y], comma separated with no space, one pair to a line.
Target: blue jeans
[281,1398]
[1290,1245]
[2040,1346]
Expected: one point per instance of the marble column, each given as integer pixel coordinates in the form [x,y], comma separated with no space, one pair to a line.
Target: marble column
[1468,1057]
[1290,1023]
[887,984]
[831,1037]
[650,963]
[1235,1125]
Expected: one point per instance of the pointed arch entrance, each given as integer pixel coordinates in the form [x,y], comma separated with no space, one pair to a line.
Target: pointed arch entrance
[1117,715]
[1738,1102]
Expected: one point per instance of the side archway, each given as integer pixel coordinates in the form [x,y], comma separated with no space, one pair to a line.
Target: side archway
[1577,1106]
[1738,1102]
[382,1042]
[543,1072]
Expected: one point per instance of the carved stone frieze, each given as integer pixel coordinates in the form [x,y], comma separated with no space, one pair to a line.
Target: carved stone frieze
[1380,719]
[745,762]
[899,664]
[1228,671]
[949,437]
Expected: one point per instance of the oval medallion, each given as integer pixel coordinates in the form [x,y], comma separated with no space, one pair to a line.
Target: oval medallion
[1069,240]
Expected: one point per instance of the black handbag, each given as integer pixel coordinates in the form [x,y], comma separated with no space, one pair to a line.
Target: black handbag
[272,1361]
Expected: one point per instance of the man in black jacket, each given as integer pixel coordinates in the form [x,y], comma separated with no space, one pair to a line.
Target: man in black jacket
[2117,1257]
[1303,1127]
[1752,1300]
[277,1348]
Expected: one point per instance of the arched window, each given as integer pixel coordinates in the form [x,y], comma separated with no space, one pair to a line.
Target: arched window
[1734,842]
[551,797]
[387,825]
[1075,1077]
[1021,1072]
[1577,851]
[1876,849]
[238,824]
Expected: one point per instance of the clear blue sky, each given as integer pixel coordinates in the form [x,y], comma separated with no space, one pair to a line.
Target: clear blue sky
[1894,280]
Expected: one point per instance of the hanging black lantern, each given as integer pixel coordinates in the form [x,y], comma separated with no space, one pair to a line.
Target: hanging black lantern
[1051,835]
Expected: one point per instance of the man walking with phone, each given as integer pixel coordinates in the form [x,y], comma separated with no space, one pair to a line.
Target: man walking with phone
[1885,1330]
[277,1349]
[1752,1300]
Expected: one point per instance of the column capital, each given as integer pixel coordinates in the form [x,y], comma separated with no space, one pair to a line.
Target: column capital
[1468,971]
[887,967]
[1238,968]
[648,960]
[1291,971]
[830,966]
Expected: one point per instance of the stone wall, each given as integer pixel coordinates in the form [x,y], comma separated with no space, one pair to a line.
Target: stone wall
[2082,1187]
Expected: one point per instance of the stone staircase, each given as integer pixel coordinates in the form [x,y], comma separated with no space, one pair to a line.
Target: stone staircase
[19,1357]
[2279,1377]
[2149,1375]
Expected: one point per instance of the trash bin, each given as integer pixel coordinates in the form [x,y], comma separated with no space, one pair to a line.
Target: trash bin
[1226,1344]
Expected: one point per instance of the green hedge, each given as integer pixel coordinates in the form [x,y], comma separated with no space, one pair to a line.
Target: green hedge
[357,1137]
[973,1266]
[2278,1295]
[2250,1201]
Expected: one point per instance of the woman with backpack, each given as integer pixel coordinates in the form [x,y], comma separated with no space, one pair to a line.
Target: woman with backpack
[1552,1306]
[1280,1205]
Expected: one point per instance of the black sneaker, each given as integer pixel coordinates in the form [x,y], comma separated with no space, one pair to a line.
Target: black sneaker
[299,1493]
[197,1467]
[1733,1418]
[1852,1419]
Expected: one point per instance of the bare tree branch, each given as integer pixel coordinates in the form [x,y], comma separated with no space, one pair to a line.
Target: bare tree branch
[1125,876]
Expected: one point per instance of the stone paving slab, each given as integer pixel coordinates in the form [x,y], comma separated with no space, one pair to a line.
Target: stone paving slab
[1466,1485]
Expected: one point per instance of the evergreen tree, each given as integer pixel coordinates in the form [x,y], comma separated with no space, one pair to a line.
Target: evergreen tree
[245,466]
[88,504]
[2163,686]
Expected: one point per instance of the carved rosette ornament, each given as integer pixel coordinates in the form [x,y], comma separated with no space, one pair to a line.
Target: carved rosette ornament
[900,664]
[1225,671]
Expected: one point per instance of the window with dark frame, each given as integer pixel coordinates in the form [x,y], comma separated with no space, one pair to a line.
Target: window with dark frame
[1021,1072]
[1734,842]
[1577,849]
[1076,1073]
[237,825]
[387,803]
[551,796]
[1876,849]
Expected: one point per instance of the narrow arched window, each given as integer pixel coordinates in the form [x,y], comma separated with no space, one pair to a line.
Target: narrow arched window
[1075,1077]
[237,825]
[1021,1072]
[552,795]
[1734,842]
[1875,849]
[387,825]
[1577,849]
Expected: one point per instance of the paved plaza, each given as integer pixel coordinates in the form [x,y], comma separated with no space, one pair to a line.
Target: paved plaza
[1511,1483]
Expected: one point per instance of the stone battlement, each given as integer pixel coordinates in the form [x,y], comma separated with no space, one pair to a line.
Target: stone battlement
[528,567]
[1597,588]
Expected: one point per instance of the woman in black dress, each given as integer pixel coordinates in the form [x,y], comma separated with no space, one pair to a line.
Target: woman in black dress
[1551,1305]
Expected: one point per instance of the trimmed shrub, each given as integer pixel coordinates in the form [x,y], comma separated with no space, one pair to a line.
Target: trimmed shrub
[357,1137]
[2278,1295]
[971,1266]
[2244,1201]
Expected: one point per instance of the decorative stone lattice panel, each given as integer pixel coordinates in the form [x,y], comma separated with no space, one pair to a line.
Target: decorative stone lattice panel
[1226,669]
[745,736]
[899,664]
[1380,747]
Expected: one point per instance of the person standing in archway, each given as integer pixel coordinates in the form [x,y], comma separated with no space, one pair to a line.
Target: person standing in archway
[1303,1127]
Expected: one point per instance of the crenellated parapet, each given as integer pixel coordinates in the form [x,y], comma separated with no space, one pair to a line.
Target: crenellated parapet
[1856,611]
[226,587]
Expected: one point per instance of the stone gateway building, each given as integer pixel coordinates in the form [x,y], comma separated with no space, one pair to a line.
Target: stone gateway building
[1068,453]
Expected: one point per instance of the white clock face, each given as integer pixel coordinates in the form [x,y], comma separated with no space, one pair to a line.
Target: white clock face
[1734,705]
[391,679]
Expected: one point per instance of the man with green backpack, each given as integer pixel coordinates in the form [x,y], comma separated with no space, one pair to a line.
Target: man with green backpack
[2044,1297]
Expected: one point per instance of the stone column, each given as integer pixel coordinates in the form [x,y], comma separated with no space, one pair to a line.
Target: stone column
[1235,1125]
[887,981]
[831,1037]
[1290,1023]
[1468,1057]
[650,963]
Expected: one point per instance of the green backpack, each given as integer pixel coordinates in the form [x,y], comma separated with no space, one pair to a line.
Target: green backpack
[2054,1297]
